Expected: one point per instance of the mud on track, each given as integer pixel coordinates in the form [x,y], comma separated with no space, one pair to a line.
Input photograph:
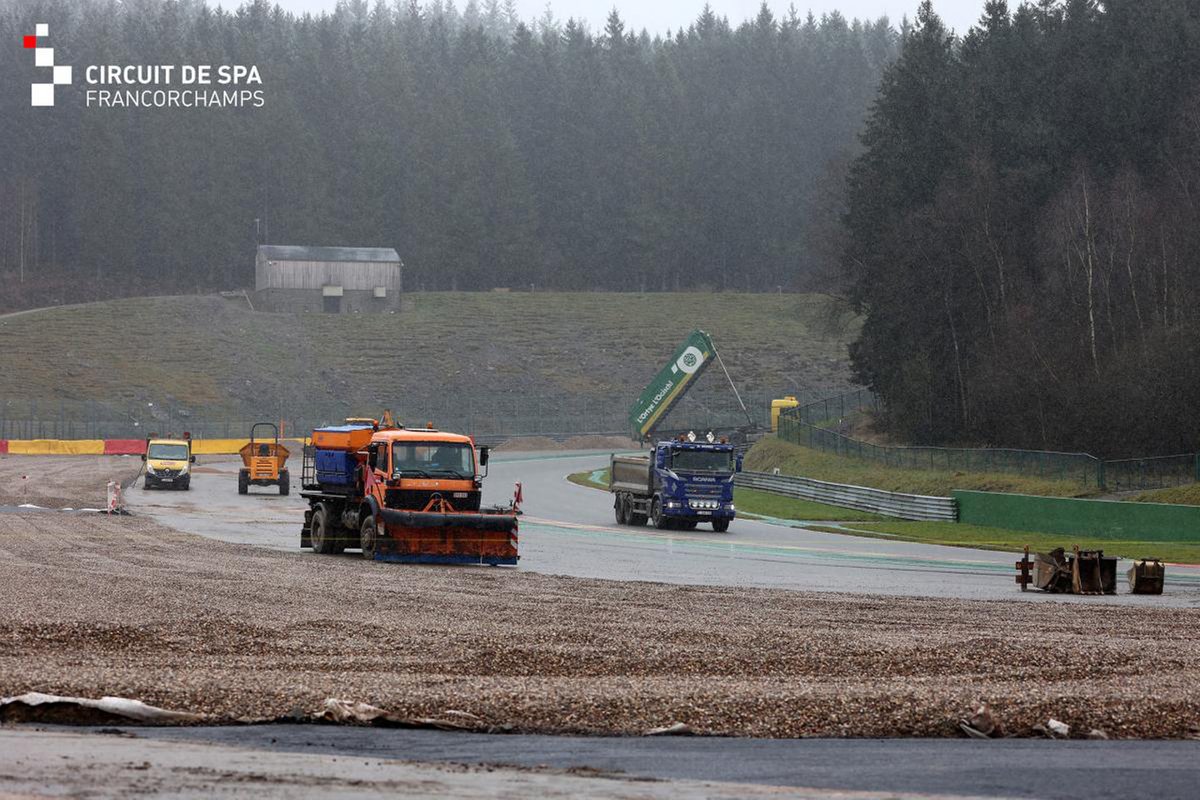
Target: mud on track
[119,606]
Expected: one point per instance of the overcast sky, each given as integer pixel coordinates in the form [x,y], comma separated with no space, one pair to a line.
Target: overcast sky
[658,17]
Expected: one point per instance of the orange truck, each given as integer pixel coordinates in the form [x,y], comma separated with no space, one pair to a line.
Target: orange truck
[397,494]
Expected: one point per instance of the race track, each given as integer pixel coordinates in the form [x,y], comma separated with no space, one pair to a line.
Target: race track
[570,530]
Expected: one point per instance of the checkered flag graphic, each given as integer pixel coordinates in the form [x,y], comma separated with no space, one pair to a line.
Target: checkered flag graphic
[42,94]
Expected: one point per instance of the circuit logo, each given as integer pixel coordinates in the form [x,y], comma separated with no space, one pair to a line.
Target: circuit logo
[42,94]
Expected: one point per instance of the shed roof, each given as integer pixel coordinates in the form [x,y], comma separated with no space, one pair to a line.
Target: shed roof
[283,252]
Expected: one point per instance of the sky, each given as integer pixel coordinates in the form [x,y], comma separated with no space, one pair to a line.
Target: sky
[673,14]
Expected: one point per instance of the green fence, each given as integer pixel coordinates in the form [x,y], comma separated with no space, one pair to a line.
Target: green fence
[815,425]
[1103,519]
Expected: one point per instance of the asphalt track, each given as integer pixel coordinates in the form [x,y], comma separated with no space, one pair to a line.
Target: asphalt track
[1001,768]
[569,530]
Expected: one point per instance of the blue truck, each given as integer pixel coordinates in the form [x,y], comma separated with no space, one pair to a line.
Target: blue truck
[680,484]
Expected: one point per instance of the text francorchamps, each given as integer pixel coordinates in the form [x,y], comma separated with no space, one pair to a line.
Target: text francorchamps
[174,86]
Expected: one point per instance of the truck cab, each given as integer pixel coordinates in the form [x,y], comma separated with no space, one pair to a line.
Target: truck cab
[407,467]
[680,484]
[168,463]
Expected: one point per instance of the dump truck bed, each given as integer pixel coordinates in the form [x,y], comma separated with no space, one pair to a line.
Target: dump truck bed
[630,474]
[253,450]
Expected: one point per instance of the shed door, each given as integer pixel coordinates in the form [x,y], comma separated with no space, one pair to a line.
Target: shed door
[332,305]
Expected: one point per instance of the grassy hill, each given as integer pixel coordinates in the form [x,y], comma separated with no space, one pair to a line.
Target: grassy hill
[210,356]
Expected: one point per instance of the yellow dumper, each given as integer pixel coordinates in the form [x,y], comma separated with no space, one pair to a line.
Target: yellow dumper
[263,458]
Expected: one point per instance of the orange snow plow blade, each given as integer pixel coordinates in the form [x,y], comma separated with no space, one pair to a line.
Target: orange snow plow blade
[447,537]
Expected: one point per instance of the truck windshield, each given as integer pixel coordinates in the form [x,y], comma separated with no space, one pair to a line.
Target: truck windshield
[433,459]
[168,452]
[702,461]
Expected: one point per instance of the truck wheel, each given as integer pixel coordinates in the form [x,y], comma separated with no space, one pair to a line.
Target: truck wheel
[186,484]
[284,482]
[656,515]
[322,540]
[368,538]
[720,525]
[243,482]
[621,507]
[634,518]
[146,484]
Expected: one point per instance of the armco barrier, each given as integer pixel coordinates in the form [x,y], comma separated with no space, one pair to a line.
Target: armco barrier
[3,446]
[860,498]
[1104,519]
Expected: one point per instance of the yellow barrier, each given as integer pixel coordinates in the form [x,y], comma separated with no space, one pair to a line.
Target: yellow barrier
[95,447]
[213,447]
[56,447]
[225,447]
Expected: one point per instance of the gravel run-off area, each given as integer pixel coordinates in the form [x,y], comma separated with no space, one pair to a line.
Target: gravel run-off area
[96,605]
[63,481]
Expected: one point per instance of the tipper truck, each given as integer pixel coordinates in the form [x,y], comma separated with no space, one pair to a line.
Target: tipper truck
[679,484]
[399,494]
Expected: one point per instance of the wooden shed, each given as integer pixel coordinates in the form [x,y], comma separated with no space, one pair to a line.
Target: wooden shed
[329,279]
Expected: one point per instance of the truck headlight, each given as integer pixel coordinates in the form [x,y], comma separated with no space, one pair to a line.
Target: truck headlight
[150,470]
[672,504]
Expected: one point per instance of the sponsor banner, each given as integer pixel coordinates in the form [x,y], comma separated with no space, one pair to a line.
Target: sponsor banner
[124,447]
[688,363]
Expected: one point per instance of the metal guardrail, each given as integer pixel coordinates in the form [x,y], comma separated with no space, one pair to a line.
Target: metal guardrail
[860,498]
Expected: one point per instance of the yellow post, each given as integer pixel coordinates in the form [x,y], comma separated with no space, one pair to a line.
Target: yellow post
[779,405]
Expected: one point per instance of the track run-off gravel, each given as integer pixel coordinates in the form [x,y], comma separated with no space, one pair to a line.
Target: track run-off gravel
[97,605]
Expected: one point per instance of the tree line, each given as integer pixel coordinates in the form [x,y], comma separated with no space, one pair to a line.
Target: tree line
[1022,232]
[488,150]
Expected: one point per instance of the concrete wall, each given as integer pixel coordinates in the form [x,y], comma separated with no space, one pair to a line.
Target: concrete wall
[310,300]
[1105,519]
